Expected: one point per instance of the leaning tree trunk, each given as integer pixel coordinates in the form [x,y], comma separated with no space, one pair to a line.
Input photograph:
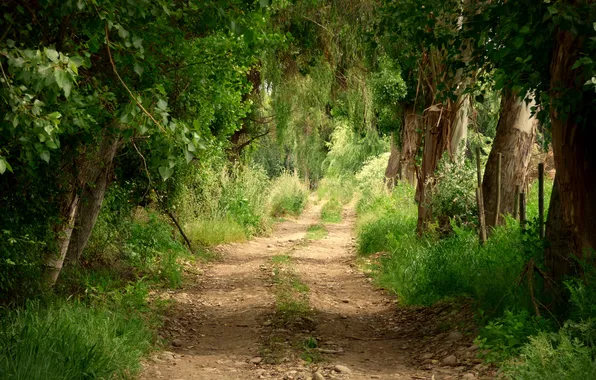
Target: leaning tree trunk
[573,137]
[96,174]
[514,139]
[55,260]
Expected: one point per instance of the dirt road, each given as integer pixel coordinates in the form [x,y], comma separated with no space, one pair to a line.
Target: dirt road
[290,307]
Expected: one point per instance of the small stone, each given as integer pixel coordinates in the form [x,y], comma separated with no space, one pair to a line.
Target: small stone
[267,323]
[177,343]
[256,360]
[318,376]
[472,348]
[426,356]
[454,336]
[342,369]
[450,360]
[469,376]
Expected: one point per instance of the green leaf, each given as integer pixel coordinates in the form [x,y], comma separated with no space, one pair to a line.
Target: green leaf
[189,156]
[162,104]
[52,55]
[165,172]
[63,81]
[55,115]
[139,69]
[45,155]
[137,42]
[2,165]
[123,33]
[264,3]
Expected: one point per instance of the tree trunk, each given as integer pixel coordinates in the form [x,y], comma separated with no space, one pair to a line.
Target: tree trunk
[55,260]
[393,165]
[436,142]
[514,139]
[410,141]
[95,175]
[460,124]
[573,136]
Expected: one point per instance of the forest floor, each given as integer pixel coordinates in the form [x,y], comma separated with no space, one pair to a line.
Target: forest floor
[291,307]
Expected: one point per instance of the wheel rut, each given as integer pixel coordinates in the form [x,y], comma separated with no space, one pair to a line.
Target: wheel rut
[232,322]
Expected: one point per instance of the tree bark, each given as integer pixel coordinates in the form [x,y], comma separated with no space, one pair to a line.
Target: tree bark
[393,165]
[514,139]
[95,177]
[573,232]
[436,141]
[410,141]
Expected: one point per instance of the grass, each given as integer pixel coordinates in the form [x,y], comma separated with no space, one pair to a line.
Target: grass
[331,211]
[316,232]
[71,341]
[288,196]
[210,233]
[291,294]
[340,188]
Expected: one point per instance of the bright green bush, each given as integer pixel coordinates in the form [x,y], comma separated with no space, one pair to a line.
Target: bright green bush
[553,356]
[71,341]
[288,196]
[331,211]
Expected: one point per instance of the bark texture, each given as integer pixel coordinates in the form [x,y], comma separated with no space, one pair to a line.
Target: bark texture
[573,232]
[516,131]
[392,173]
[95,177]
[410,141]
[55,260]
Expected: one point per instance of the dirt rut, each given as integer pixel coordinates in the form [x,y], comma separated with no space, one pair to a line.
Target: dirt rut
[221,325]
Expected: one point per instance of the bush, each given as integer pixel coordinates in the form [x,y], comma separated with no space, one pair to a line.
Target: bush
[340,188]
[554,356]
[71,341]
[331,211]
[288,196]
[212,232]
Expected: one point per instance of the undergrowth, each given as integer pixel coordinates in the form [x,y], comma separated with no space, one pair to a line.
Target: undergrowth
[288,196]
[331,211]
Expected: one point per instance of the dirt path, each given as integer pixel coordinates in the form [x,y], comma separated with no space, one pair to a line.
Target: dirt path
[238,319]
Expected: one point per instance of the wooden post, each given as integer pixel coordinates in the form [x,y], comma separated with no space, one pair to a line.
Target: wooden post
[516,203]
[498,209]
[481,220]
[478,169]
[541,200]
[522,210]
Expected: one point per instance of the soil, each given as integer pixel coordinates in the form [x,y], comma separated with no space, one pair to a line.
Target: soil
[225,323]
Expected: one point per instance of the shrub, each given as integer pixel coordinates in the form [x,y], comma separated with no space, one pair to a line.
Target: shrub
[71,341]
[212,232]
[288,196]
[340,188]
[331,211]
[553,356]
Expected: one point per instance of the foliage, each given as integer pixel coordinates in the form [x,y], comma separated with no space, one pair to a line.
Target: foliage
[453,196]
[340,188]
[505,336]
[288,196]
[71,341]
[331,211]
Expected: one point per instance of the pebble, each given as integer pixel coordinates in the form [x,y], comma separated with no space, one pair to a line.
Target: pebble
[473,347]
[177,343]
[450,360]
[426,356]
[342,369]
[455,335]
[318,376]
[469,376]
[256,360]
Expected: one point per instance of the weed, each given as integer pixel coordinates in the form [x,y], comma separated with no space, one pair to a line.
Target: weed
[331,211]
[316,232]
[211,232]
[288,196]
[71,341]
[310,352]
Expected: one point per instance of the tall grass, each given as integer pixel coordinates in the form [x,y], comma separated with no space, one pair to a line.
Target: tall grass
[71,341]
[288,196]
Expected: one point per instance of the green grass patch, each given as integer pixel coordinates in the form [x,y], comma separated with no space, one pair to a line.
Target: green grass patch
[214,232]
[71,341]
[316,232]
[288,196]
[340,188]
[331,211]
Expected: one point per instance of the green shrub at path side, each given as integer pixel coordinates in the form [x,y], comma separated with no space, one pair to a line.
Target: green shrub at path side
[71,341]
[289,196]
